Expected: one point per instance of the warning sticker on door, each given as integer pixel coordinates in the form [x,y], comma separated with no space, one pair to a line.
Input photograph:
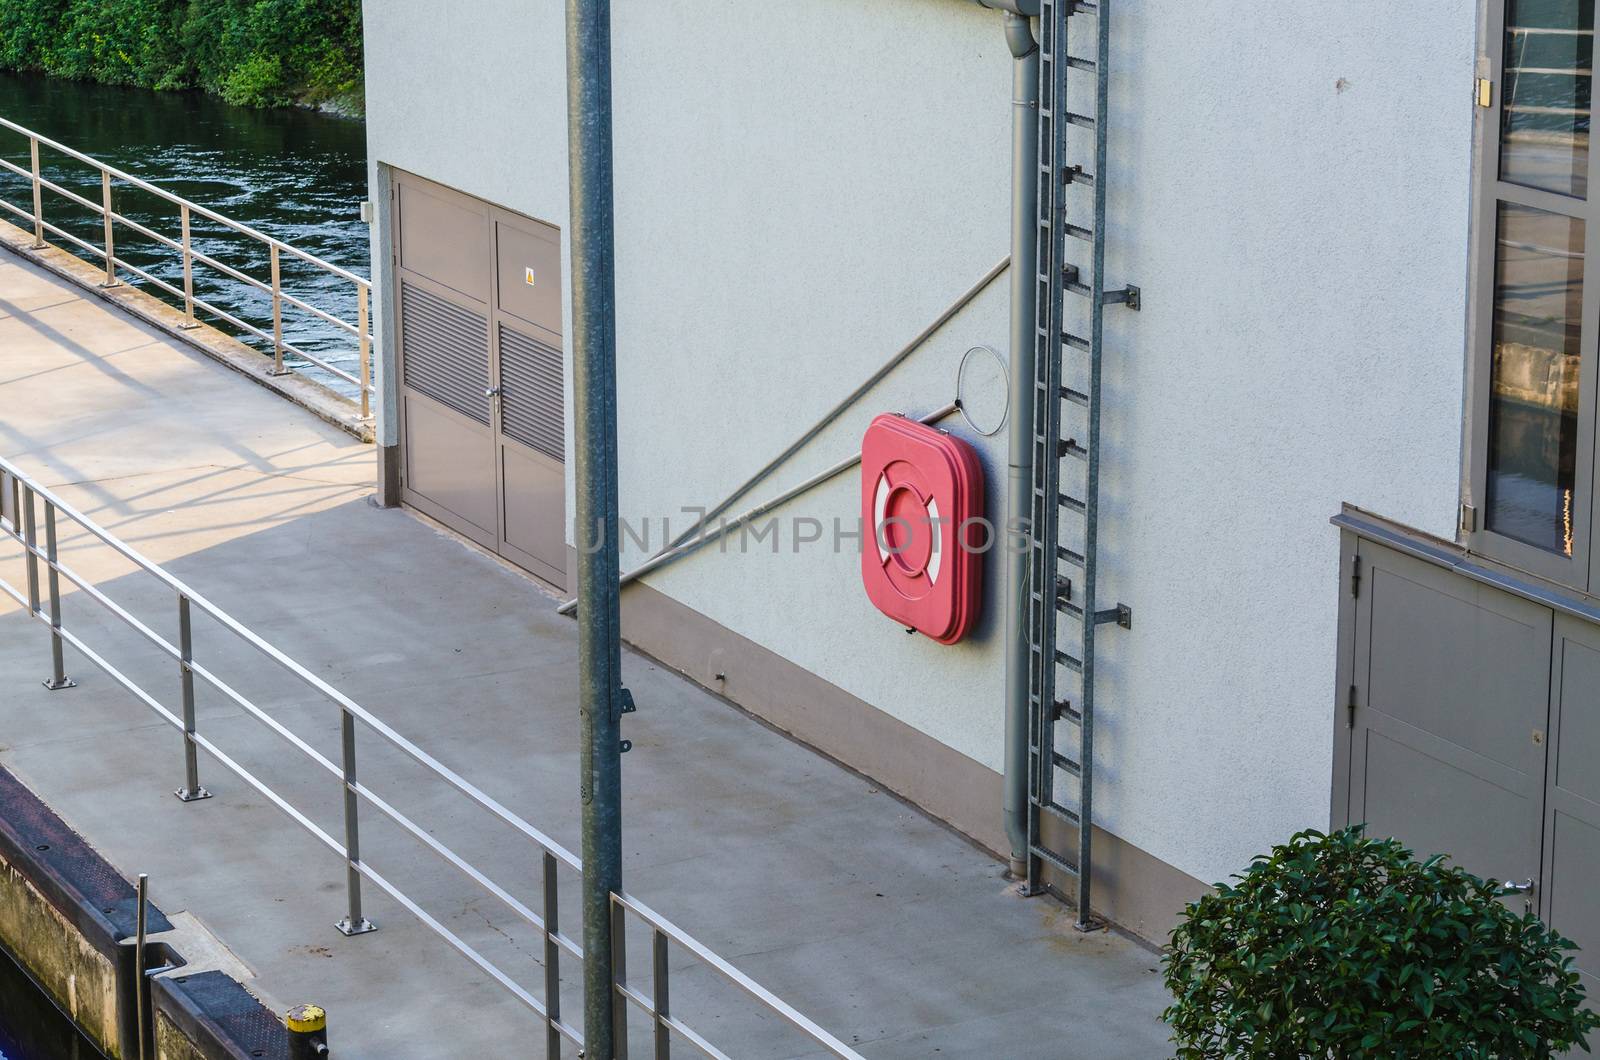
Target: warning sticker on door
[527,277]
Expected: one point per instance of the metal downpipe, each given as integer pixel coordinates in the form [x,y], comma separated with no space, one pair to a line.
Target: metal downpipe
[1019,456]
[594,389]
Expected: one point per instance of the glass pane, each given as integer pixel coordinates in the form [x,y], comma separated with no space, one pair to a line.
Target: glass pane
[1533,403]
[1544,120]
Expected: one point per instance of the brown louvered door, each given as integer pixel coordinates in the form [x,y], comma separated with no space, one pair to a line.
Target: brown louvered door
[443,289]
[530,442]
[482,398]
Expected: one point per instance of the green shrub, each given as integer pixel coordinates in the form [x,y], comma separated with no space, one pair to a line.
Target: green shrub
[1344,946]
[253,52]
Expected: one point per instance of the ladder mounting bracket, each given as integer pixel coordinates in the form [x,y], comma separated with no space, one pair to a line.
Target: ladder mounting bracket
[1128,296]
[1122,615]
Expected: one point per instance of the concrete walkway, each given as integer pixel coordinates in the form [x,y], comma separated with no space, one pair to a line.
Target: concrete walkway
[875,921]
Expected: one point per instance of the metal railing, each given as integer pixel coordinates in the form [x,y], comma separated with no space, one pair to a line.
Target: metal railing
[21,498]
[106,252]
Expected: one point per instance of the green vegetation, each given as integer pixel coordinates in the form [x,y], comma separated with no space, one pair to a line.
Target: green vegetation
[1343,946]
[259,53]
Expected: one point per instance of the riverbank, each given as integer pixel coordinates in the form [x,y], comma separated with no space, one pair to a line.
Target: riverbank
[253,53]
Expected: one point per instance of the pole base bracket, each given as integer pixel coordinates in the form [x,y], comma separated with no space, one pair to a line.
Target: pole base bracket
[1031,890]
[188,327]
[358,927]
[1089,924]
[192,794]
[280,371]
[55,686]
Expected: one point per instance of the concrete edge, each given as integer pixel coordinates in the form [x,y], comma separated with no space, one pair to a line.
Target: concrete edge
[1139,893]
[64,913]
[62,904]
[317,399]
[211,1016]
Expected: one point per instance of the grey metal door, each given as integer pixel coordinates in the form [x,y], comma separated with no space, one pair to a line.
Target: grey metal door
[1450,693]
[530,420]
[482,414]
[1569,900]
[442,309]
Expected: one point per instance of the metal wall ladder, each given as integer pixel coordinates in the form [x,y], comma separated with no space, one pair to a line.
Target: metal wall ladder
[1066,432]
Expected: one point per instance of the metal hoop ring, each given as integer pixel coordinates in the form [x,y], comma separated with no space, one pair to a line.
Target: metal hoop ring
[961,403]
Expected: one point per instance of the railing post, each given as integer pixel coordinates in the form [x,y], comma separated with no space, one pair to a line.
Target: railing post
[111,252]
[191,790]
[619,979]
[552,961]
[29,543]
[141,983]
[58,675]
[362,323]
[38,194]
[353,923]
[188,272]
[658,995]
[277,313]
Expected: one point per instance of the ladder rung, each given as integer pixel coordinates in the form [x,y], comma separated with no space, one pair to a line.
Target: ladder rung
[1076,342]
[1066,710]
[1077,397]
[1081,120]
[1061,761]
[1060,812]
[1080,232]
[1074,504]
[1055,860]
[1069,662]
[1080,64]
[1070,608]
[1066,555]
[1070,447]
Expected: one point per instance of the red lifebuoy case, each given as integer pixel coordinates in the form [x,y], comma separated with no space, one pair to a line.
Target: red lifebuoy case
[922,506]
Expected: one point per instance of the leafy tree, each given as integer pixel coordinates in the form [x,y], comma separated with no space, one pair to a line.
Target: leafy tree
[252,52]
[1344,946]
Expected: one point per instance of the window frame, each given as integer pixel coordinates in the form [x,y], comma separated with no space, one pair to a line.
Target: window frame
[1577,571]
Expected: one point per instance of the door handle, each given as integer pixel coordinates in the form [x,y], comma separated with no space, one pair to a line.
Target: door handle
[492,391]
[1513,887]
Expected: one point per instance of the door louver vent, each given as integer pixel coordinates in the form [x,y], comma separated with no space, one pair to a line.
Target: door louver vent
[530,393]
[445,351]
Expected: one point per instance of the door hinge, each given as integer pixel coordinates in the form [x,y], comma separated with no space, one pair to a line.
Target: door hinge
[1484,92]
[1469,519]
[1355,576]
[1350,707]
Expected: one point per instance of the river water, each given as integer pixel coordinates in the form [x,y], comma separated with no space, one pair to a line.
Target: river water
[295,174]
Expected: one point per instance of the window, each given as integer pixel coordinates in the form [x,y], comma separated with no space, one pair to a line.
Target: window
[1537,304]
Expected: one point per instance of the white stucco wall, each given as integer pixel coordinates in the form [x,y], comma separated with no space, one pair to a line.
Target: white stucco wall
[802,187]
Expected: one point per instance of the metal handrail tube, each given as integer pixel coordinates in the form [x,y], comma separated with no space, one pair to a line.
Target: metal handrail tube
[199,601]
[175,653]
[176,292]
[518,907]
[106,253]
[228,270]
[317,831]
[573,1034]
[178,200]
[732,975]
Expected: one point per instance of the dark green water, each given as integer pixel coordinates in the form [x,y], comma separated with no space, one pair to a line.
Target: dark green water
[31,1028]
[294,174]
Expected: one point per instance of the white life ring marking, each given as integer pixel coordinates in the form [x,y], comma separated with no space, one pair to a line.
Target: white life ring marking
[880,501]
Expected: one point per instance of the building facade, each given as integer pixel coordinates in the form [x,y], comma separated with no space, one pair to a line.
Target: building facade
[803,189]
